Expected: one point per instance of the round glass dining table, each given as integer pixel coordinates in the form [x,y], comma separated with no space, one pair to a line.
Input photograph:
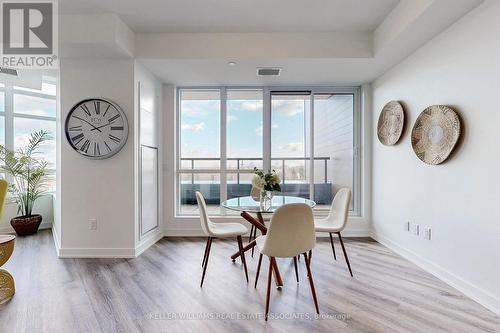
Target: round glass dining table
[248,206]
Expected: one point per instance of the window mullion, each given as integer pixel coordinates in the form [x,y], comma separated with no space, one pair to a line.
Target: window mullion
[9,122]
[311,147]
[223,144]
[266,129]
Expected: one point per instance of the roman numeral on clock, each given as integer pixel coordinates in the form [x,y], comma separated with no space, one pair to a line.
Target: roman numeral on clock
[85,146]
[114,138]
[97,107]
[77,139]
[97,150]
[86,109]
[76,128]
[104,115]
[116,116]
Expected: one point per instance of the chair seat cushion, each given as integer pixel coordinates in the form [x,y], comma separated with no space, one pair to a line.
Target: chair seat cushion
[260,242]
[324,225]
[283,252]
[227,229]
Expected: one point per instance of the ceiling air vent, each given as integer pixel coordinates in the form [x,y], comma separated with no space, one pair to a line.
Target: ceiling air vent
[8,71]
[270,71]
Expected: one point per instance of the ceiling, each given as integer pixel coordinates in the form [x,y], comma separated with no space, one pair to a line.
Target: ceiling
[296,72]
[239,15]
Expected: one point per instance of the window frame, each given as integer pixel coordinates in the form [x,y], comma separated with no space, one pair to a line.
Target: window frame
[266,149]
[9,89]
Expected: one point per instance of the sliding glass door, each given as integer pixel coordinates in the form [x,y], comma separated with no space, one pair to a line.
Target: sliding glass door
[308,136]
[290,141]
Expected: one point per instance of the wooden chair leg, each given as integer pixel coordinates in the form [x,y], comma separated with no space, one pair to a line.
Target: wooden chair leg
[333,247]
[205,255]
[258,270]
[206,261]
[311,282]
[268,295]
[307,260]
[240,246]
[296,270]
[253,236]
[345,253]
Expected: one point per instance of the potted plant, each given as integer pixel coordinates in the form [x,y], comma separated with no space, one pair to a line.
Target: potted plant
[29,174]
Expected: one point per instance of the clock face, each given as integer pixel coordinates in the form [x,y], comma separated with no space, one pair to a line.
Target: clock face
[96,128]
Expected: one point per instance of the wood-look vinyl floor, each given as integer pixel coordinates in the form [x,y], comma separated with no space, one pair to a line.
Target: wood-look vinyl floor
[153,292]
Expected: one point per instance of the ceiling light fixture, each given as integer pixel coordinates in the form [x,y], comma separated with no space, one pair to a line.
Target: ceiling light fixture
[232,63]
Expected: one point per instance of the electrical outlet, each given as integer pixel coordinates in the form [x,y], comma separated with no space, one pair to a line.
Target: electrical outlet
[427,233]
[92,224]
[407,226]
[416,229]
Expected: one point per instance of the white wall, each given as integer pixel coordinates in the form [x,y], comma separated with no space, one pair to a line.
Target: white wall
[100,189]
[148,112]
[458,199]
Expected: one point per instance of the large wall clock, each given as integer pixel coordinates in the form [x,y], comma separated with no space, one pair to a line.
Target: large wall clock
[96,128]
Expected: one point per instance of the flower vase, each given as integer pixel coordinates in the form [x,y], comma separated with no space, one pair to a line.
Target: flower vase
[266,198]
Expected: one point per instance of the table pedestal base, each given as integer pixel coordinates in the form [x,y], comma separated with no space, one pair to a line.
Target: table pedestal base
[262,227]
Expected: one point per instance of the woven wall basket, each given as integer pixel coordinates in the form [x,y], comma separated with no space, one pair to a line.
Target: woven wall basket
[391,123]
[435,134]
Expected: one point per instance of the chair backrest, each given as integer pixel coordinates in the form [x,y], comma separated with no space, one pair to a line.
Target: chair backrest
[255,193]
[3,195]
[340,208]
[204,219]
[291,231]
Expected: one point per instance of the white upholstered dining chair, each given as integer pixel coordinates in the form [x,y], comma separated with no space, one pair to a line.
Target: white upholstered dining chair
[290,233]
[218,230]
[336,220]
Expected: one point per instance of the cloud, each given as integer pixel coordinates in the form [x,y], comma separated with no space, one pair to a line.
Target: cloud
[259,131]
[193,127]
[231,118]
[294,146]
[288,108]
[199,108]
[254,106]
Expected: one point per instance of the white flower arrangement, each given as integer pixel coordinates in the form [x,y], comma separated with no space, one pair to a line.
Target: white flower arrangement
[266,181]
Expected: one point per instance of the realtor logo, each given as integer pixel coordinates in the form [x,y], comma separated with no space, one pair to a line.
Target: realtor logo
[29,34]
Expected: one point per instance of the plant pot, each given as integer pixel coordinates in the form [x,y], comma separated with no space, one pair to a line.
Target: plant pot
[26,225]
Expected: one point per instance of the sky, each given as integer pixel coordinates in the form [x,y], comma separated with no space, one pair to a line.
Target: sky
[200,128]
[23,127]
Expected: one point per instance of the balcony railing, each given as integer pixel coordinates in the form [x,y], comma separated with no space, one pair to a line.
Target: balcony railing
[239,170]
[211,190]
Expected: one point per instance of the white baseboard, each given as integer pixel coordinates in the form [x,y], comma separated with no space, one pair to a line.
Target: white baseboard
[7,228]
[57,242]
[146,242]
[479,295]
[97,253]
[109,252]
[197,232]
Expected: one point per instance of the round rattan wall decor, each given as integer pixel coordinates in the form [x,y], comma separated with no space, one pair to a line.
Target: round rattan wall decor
[391,123]
[435,134]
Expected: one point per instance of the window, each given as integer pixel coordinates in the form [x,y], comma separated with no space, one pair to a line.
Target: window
[308,137]
[25,110]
